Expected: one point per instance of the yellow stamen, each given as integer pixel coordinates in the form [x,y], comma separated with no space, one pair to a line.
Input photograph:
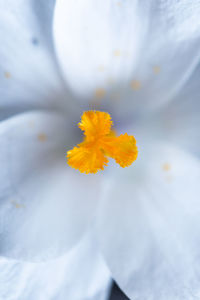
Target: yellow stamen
[100,141]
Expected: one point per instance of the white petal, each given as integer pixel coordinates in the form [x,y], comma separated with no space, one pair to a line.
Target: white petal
[170,52]
[45,205]
[97,42]
[147,48]
[149,226]
[180,121]
[29,77]
[79,275]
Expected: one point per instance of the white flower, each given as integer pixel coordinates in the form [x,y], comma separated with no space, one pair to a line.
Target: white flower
[140,59]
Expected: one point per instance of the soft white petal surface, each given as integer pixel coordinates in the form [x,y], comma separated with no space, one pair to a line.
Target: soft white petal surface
[149,225]
[78,275]
[128,55]
[29,76]
[45,206]
[180,120]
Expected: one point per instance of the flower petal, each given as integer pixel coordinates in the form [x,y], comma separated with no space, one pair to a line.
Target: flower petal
[45,206]
[79,274]
[149,225]
[179,121]
[96,42]
[170,52]
[29,77]
[147,49]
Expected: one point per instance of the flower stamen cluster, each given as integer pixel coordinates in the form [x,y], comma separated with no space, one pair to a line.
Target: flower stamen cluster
[100,142]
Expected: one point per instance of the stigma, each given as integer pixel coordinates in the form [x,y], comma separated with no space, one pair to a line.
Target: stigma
[101,142]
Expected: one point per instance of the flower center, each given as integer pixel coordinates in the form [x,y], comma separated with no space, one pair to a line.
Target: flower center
[100,142]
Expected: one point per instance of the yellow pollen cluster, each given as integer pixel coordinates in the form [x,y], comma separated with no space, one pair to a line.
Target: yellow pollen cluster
[100,141]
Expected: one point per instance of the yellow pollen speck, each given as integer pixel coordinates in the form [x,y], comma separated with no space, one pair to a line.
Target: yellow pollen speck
[135,85]
[101,68]
[18,205]
[100,93]
[117,53]
[100,142]
[156,69]
[166,167]
[42,137]
[7,74]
